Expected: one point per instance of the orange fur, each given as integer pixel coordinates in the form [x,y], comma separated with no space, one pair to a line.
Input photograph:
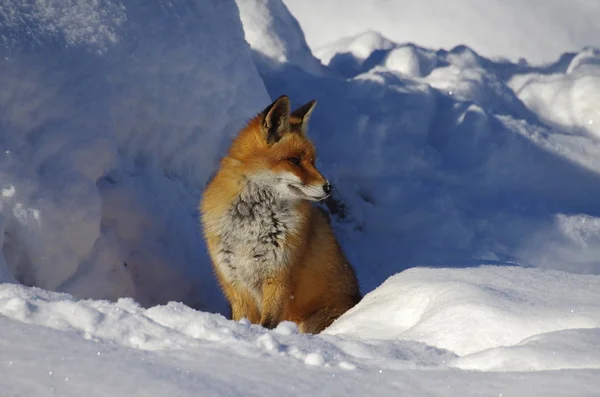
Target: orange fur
[314,284]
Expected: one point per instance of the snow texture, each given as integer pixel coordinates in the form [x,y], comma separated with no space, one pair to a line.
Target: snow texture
[465,197]
[567,99]
[435,156]
[53,344]
[113,117]
[274,33]
[475,309]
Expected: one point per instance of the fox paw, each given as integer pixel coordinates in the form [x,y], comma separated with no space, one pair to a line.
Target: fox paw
[269,323]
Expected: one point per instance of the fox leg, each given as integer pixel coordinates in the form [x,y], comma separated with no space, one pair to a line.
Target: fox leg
[318,321]
[275,292]
[243,304]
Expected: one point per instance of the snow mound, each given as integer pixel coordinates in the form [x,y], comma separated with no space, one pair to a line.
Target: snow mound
[570,349]
[507,28]
[38,361]
[410,60]
[176,327]
[347,55]
[436,159]
[113,117]
[569,99]
[274,33]
[470,310]
[489,318]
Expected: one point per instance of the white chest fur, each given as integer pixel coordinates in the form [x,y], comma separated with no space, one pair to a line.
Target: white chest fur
[253,236]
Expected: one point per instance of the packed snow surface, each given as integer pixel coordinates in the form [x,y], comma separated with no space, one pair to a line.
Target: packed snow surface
[449,168]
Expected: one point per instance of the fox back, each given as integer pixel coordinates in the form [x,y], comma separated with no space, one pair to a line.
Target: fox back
[274,252]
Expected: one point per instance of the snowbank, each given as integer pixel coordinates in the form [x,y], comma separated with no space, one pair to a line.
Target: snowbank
[348,55]
[113,117]
[573,349]
[567,99]
[509,28]
[176,327]
[485,318]
[37,361]
[274,34]
[478,309]
[437,157]
[52,343]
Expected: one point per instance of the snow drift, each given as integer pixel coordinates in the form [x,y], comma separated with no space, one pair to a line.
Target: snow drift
[476,309]
[438,156]
[275,35]
[568,98]
[489,318]
[113,117]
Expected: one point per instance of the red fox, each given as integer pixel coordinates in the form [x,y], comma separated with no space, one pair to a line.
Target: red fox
[273,252]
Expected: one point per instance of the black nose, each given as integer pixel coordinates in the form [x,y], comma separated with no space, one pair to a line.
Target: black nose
[327,188]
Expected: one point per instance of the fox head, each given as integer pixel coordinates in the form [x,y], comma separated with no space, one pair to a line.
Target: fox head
[273,151]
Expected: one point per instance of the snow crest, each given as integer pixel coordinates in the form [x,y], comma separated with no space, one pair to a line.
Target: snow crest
[274,34]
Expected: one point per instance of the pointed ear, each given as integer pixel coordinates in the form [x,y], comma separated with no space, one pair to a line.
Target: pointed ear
[276,119]
[300,116]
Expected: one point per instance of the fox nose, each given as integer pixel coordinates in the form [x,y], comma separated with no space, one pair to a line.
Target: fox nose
[327,188]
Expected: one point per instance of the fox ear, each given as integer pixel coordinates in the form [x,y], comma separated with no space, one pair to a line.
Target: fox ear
[300,116]
[276,119]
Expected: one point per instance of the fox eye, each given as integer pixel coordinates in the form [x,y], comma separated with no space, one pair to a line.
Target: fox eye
[294,160]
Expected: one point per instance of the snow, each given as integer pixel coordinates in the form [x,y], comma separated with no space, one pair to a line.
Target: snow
[348,54]
[435,157]
[178,327]
[567,98]
[110,128]
[494,28]
[116,348]
[465,196]
[475,309]
[274,33]
[36,367]
[576,348]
